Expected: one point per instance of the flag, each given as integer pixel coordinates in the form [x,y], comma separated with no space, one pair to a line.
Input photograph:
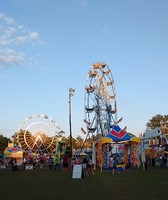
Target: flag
[117,134]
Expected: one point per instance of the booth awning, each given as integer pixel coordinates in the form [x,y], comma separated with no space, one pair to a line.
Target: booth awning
[106,140]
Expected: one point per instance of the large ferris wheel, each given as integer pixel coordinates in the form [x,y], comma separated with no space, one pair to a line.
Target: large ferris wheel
[37,133]
[100,100]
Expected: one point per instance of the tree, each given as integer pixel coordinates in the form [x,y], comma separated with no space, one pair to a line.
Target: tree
[79,142]
[3,142]
[159,121]
[14,138]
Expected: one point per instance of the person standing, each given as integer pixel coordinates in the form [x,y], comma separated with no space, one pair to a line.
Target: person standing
[57,162]
[65,162]
[14,164]
[24,163]
[50,163]
[41,162]
[84,163]
[114,167]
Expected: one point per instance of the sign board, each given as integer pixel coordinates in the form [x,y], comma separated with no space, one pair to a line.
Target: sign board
[29,167]
[77,171]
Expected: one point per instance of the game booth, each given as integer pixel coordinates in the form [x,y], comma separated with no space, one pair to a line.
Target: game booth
[120,144]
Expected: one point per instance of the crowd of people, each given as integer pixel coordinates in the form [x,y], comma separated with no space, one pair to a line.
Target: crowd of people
[65,163]
[52,162]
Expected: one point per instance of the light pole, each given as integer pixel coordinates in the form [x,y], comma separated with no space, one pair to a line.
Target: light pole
[71,93]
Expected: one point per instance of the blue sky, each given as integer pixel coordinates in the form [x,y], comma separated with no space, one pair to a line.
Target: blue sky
[48,46]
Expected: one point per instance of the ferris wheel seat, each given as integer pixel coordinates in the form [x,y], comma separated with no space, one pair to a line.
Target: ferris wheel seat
[99,65]
[90,89]
[110,83]
[89,110]
[93,75]
[112,97]
[113,111]
[106,72]
[91,130]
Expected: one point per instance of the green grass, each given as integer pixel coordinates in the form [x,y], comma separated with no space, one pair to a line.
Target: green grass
[54,185]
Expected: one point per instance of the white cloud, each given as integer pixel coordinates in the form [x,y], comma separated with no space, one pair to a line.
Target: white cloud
[14,36]
[11,33]
[6,19]
[31,37]
[20,40]
[9,57]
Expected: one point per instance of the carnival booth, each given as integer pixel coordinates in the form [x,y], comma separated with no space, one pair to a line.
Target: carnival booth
[120,144]
[13,151]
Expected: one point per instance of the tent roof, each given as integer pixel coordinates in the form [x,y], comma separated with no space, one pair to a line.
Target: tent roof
[117,135]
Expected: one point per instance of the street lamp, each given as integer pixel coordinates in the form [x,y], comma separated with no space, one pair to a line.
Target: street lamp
[71,93]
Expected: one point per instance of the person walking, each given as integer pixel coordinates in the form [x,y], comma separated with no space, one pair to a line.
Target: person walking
[89,166]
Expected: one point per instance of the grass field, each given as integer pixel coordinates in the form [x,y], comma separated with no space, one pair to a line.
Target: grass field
[58,185]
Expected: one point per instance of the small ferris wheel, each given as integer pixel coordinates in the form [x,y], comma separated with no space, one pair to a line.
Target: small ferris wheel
[100,100]
[37,133]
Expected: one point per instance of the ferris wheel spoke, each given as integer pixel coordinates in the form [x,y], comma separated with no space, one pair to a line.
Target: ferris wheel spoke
[49,142]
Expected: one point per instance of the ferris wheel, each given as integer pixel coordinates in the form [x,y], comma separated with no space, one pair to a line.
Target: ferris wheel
[100,100]
[37,133]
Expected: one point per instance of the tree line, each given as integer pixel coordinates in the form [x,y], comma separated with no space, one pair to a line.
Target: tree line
[158,121]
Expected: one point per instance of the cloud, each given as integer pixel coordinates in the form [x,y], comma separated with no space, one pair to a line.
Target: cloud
[9,57]
[14,36]
[31,37]
[6,19]
[33,61]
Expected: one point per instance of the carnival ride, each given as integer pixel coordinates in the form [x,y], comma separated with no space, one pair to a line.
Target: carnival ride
[100,100]
[37,134]
[101,114]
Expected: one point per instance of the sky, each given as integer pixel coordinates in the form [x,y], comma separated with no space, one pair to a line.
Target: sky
[47,47]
